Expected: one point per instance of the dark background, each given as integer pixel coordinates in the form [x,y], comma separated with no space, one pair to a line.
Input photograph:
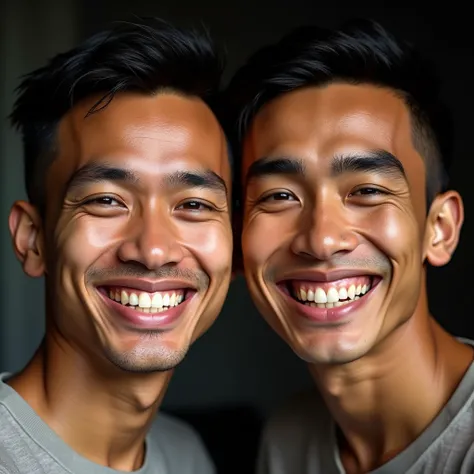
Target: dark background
[239,371]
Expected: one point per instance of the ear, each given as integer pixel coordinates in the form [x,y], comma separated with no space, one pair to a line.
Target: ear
[237,265]
[26,230]
[444,224]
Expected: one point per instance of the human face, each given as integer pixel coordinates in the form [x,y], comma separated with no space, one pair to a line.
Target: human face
[334,219]
[138,237]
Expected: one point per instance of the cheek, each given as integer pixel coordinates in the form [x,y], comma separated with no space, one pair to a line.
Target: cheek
[394,231]
[82,241]
[258,241]
[211,243]
[263,235]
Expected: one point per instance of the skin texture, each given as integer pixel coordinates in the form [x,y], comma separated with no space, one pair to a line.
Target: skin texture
[333,219]
[95,369]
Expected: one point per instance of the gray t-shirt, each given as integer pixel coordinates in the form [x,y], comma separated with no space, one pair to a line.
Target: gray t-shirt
[301,439]
[29,446]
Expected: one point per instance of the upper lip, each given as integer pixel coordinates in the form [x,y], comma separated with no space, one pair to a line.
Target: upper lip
[149,286]
[324,276]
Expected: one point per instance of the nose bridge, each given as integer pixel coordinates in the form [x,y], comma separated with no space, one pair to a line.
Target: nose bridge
[327,219]
[326,228]
[156,228]
[153,240]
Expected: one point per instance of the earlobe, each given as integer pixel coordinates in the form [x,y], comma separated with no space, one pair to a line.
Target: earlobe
[443,229]
[26,232]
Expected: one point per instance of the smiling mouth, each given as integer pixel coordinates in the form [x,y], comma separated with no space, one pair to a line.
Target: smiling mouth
[331,294]
[144,302]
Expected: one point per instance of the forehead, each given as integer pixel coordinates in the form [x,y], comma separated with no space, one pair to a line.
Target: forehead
[322,121]
[142,132]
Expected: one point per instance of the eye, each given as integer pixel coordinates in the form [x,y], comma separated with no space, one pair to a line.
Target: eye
[279,196]
[106,201]
[368,191]
[195,206]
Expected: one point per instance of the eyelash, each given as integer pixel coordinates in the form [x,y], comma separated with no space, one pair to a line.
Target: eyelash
[100,201]
[207,207]
[373,191]
[280,193]
[366,191]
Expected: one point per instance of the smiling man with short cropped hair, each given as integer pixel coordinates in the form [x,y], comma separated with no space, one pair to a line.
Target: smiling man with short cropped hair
[342,138]
[128,219]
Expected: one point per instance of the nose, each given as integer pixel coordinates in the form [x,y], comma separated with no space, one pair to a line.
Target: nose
[153,241]
[324,231]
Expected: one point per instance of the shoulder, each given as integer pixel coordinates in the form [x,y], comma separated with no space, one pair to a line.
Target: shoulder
[180,444]
[173,427]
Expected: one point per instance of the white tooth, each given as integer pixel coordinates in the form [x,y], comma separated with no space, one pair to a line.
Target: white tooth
[112,294]
[145,310]
[124,297]
[144,300]
[153,310]
[157,300]
[310,295]
[320,296]
[357,297]
[364,290]
[117,295]
[166,300]
[329,305]
[180,298]
[333,295]
[358,289]
[342,294]
[321,305]
[173,299]
[303,295]
[337,304]
[133,299]
[351,292]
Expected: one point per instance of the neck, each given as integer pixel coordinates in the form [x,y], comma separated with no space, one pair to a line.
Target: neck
[383,401]
[103,415]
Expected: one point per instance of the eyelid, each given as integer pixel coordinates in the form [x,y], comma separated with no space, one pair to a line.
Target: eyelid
[209,206]
[97,198]
[378,189]
[266,196]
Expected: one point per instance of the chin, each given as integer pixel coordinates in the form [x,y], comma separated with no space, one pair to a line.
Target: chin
[147,357]
[329,356]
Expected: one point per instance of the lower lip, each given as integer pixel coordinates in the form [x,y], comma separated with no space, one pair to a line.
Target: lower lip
[329,315]
[139,320]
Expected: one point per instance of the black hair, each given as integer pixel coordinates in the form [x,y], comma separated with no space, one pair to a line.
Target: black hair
[360,52]
[144,57]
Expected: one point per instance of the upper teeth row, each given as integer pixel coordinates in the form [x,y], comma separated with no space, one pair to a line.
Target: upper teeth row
[144,300]
[333,295]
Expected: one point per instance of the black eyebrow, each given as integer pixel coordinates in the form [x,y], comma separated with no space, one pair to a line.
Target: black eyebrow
[377,161]
[99,172]
[207,179]
[275,166]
